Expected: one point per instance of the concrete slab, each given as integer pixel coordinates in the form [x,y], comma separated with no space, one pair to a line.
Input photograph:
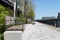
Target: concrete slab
[13,35]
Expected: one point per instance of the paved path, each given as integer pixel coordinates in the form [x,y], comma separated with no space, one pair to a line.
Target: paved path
[40,31]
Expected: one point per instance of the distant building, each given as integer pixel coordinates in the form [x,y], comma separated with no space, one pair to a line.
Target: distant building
[58,16]
[52,20]
[46,18]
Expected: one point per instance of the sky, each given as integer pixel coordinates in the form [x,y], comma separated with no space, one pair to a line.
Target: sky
[46,8]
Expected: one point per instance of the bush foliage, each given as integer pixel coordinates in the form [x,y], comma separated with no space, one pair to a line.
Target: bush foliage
[3,12]
[2,28]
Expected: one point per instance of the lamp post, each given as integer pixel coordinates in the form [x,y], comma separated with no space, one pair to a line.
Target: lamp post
[15,9]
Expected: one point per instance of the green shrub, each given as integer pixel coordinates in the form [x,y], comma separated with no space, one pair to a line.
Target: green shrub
[1,37]
[2,28]
[4,11]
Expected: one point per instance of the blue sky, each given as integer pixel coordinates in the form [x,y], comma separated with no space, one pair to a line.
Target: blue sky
[46,8]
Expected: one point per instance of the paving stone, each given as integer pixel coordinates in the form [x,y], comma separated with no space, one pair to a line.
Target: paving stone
[40,31]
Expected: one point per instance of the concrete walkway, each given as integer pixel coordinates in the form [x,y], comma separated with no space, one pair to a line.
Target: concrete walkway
[40,31]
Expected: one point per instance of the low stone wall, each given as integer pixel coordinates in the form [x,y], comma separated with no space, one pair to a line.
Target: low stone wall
[9,20]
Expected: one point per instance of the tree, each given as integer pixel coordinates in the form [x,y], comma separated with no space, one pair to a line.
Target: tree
[31,9]
[31,14]
[3,12]
[27,9]
[22,18]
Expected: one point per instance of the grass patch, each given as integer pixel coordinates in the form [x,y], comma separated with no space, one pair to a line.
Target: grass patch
[1,37]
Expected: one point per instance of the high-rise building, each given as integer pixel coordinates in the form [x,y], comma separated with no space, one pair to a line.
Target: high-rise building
[58,16]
